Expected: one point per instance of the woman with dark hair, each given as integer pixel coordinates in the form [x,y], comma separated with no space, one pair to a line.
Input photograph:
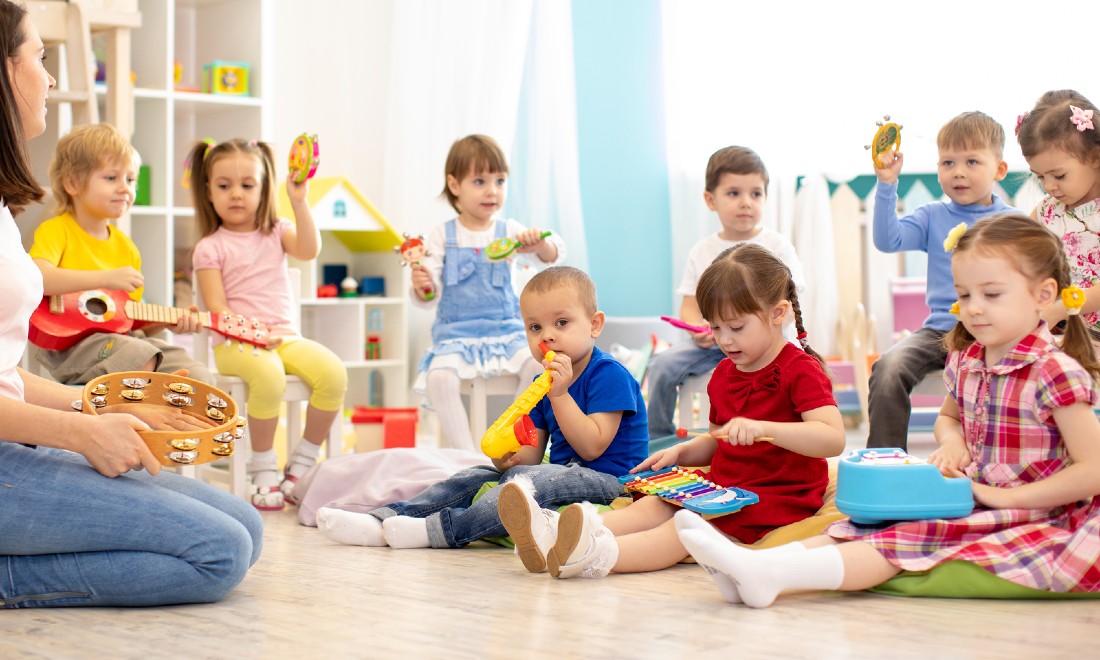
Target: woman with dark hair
[86,518]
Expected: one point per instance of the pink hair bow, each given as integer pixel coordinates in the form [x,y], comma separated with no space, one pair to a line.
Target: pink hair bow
[1081,118]
[1020,120]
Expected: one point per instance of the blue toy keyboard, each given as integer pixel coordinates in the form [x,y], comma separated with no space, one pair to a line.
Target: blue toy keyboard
[690,490]
[881,485]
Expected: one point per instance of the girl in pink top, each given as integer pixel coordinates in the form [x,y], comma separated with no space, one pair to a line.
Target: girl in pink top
[241,266]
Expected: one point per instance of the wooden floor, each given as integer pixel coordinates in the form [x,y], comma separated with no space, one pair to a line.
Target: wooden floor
[309,598]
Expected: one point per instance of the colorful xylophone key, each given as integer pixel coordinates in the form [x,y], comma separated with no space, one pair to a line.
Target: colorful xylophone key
[690,490]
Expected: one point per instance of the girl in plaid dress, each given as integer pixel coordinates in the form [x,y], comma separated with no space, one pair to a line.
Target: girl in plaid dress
[1018,422]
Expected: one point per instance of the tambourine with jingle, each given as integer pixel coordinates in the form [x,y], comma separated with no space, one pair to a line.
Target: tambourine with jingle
[172,448]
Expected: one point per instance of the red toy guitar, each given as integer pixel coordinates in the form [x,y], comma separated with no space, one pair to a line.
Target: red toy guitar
[63,320]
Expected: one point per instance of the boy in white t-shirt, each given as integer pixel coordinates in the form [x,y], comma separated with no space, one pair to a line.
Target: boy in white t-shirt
[736,189]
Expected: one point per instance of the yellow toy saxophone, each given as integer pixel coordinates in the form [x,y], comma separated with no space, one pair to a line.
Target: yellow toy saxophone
[514,428]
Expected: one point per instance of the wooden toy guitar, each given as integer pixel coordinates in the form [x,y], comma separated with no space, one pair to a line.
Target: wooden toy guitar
[689,489]
[63,320]
[886,142]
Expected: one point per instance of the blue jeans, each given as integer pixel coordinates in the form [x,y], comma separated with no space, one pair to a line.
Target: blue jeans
[454,520]
[71,537]
[667,372]
[893,378]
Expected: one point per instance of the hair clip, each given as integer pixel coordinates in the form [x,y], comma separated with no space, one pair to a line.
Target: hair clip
[1073,298]
[1082,119]
[1020,120]
[953,237]
[955,308]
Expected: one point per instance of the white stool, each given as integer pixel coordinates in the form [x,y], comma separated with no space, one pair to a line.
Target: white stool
[479,390]
[297,392]
[693,389]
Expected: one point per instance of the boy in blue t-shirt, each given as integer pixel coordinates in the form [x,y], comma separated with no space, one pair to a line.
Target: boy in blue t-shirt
[594,418]
[971,148]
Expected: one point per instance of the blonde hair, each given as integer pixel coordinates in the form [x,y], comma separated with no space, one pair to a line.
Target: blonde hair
[80,153]
[469,155]
[202,158]
[1037,254]
[972,130]
[746,279]
[558,277]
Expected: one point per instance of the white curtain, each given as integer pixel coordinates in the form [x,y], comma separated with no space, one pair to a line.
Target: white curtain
[458,68]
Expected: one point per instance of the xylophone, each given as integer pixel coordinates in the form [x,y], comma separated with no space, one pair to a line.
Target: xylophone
[879,485]
[690,490]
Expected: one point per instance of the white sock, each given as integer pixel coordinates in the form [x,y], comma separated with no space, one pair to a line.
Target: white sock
[350,528]
[302,458]
[761,575]
[406,532]
[705,534]
[263,469]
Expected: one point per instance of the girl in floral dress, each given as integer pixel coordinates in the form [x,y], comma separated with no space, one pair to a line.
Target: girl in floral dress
[1060,141]
[1018,423]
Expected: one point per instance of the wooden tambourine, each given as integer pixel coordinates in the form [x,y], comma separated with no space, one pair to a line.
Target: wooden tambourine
[172,448]
[886,142]
[305,156]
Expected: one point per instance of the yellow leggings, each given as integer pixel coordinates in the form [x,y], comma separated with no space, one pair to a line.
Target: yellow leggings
[264,371]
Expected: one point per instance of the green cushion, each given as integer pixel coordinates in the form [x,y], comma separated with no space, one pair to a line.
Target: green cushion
[963,579]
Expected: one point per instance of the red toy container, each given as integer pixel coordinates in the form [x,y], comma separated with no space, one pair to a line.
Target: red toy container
[377,428]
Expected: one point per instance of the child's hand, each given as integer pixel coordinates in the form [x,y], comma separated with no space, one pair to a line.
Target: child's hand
[294,190]
[660,459]
[532,239]
[703,339]
[741,431]
[421,280]
[188,323]
[892,170]
[125,279]
[990,496]
[563,374]
[951,456]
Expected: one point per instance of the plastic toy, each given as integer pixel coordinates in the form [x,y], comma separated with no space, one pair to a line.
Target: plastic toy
[514,428]
[683,325]
[502,248]
[185,180]
[886,142]
[412,250]
[327,291]
[880,485]
[221,77]
[305,156]
[682,433]
[689,489]
[349,287]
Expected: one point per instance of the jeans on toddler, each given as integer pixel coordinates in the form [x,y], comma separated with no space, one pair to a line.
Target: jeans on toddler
[454,520]
[893,378]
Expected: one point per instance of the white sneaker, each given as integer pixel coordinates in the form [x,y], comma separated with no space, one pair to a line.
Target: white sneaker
[533,533]
[584,548]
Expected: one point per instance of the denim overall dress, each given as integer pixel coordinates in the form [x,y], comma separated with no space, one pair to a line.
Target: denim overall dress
[478,313]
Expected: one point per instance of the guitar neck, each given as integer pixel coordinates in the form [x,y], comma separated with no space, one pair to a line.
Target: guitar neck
[149,313]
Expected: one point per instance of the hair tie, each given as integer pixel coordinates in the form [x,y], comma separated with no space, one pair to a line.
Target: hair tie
[802,340]
[1082,119]
[1073,298]
[186,180]
[953,237]
[1020,120]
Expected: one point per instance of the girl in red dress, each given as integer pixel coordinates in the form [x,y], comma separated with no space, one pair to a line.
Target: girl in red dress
[1018,422]
[765,387]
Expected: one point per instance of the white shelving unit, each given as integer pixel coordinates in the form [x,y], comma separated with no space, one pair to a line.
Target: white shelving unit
[354,234]
[168,121]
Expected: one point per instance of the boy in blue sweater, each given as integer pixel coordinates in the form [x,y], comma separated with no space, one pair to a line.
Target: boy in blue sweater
[594,419]
[971,150]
